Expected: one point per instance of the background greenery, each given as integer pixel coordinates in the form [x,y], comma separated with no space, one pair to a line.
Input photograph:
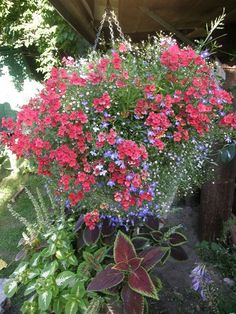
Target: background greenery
[34,37]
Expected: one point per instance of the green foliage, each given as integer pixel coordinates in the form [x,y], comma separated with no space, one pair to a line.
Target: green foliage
[210,41]
[50,275]
[32,29]
[221,256]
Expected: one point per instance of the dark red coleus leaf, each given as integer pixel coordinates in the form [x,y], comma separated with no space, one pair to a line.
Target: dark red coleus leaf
[134,263]
[122,266]
[151,257]
[133,302]
[178,253]
[80,240]
[140,281]
[114,307]
[79,223]
[123,248]
[109,240]
[166,255]
[107,228]
[152,222]
[157,235]
[177,239]
[106,279]
[91,236]
[131,265]
[140,242]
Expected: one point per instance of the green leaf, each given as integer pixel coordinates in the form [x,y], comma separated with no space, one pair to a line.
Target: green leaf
[30,288]
[51,250]
[10,288]
[44,300]
[50,269]
[100,254]
[57,306]
[71,307]
[21,268]
[65,278]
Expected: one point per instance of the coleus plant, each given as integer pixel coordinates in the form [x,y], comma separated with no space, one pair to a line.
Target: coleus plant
[130,273]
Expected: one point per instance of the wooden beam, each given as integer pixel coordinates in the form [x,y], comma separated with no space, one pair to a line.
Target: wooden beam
[166,25]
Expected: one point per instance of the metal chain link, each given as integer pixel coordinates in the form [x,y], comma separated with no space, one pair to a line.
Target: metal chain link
[112,19]
[117,24]
[111,29]
[100,30]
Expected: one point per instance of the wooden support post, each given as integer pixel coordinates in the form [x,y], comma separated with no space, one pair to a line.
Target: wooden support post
[166,25]
[217,197]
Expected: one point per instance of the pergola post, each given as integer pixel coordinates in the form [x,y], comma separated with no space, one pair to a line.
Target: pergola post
[217,196]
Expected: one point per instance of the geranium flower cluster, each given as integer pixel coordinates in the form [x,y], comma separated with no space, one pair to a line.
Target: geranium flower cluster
[105,122]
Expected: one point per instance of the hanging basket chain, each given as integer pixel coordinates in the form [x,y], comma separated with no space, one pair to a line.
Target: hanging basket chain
[117,24]
[111,30]
[112,20]
[100,29]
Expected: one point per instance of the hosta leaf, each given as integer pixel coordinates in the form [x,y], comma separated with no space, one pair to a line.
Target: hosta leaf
[152,222]
[151,257]
[65,278]
[177,238]
[72,307]
[106,279]
[133,302]
[91,236]
[123,248]
[140,242]
[10,288]
[178,253]
[79,223]
[140,281]
[44,300]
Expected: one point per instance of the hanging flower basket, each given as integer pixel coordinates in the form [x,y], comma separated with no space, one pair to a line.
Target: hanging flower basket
[123,132]
[119,135]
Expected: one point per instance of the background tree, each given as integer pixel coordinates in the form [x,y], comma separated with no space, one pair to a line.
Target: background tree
[34,37]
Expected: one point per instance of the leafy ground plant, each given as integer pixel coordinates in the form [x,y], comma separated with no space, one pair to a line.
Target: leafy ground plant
[130,274]
[52,278]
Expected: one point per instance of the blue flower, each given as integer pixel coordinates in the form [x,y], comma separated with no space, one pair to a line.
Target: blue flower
[200,279]
[205,54]
[110,183]
[105,124]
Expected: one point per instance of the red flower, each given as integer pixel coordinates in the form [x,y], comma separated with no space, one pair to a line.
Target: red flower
[102,103]
[91,219]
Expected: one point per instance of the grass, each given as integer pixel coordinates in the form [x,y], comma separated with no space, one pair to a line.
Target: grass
[10,228]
